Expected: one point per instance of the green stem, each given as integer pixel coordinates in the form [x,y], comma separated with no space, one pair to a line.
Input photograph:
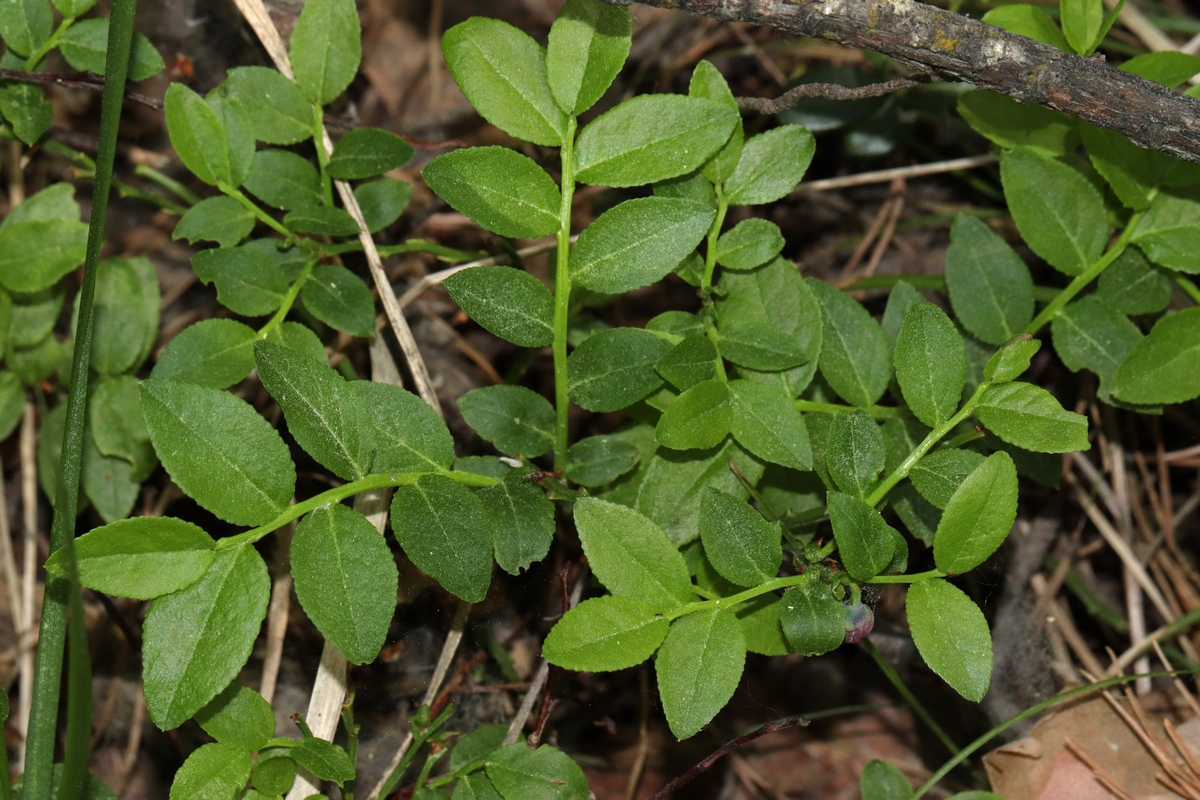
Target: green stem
[62,597]
[170,184]
[289,300]
[249,204]
[1190,288]
[1084,278]
[448,254]
[913,578]
[32,62]
[714,233]
[322,156]
[126,190]
[740,597]
[339,493]
[562,297]
[710,331]
[878,412]
[935,436]
[909,698]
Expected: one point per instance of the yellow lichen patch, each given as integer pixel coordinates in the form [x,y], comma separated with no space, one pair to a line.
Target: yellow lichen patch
[943,43]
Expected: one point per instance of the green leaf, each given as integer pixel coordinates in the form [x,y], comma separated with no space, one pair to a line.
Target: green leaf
[1167,67]
[693,186]
[12,403]
[197,640]
[615,368]
[598,460]
[709,84]
[991,289]
[474,786]
[589,42]
[199,137]
[25,25]
[1027,20]
[631,555]
[902,298]
[277,109]
[32,317]
[272,776]
[1029,417]
[605,634]
[115,419]
[409,435]
[854,357]
[699,418]
[299,338]
[978,517]
[27,110]
[216,353]
[651,138]
[248,281]
[476,746]
[743,546]
[122,323]
[212,772]
[1164,367]
[938,475]
[324,415]
[444,530]
[382,201]
[1132,171]
[951,635]
[219,451]
[879,779]
[321,220]
[1081,21]
[40,247]
[36,364]
[767,423]
[855,454]
[346,580]
[774,295]
[108,482]
[324,759]
[688,363]
[216,219]
[498,189]
[1131,285]
[865,542]
[521,520]
[1090,335]
[1012,359]
[520,773]
[502,72]
[931,364]
[367,152]
[143,558]
[698,668]
[1011,124]
[1169,233]
[759,346]
[84,45]
[282,179]
[508,302]
[518,421]
[325,49]
[771,165]
[1059,213]
[637,242]
[749,244]
[759,619]
[813,620]
[238,717]
[340,299]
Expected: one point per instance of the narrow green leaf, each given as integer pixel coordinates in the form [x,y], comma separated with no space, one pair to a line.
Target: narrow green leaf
[1059,214]
[865,542]
[951,635]
[508,302]
[248,281]
[598,460]
[991,289]
[699,418]
[216,219]
[324,415]
[282,179]
[589,42]
[325,48]
[1169,233]
[520,773]
[518,421]
[978,517]
[1164,367]
[855,454]
[409,435]
[1029,417]
[605,634]
[938,475]
[743,546]
[277,109]
[931,364]
[698,668]
[212,772]
[502,71]
[1090,335]
[813,620]
[615,368]
[216,353]
[197,640]
[346,580]
[521,519]
[238,717]
[637,242]
[631,555]
[1081,21]
[854,356]
[219,451]
[340,299]
[771,165]
[444,530]
[767,423]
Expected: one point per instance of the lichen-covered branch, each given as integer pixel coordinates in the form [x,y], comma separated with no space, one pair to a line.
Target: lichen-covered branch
[956,48]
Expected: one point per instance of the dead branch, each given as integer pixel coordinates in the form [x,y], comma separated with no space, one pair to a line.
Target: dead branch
[828,91]
[953,47]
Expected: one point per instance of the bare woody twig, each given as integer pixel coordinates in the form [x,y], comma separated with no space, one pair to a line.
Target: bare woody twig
[829,91]
[953,47]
